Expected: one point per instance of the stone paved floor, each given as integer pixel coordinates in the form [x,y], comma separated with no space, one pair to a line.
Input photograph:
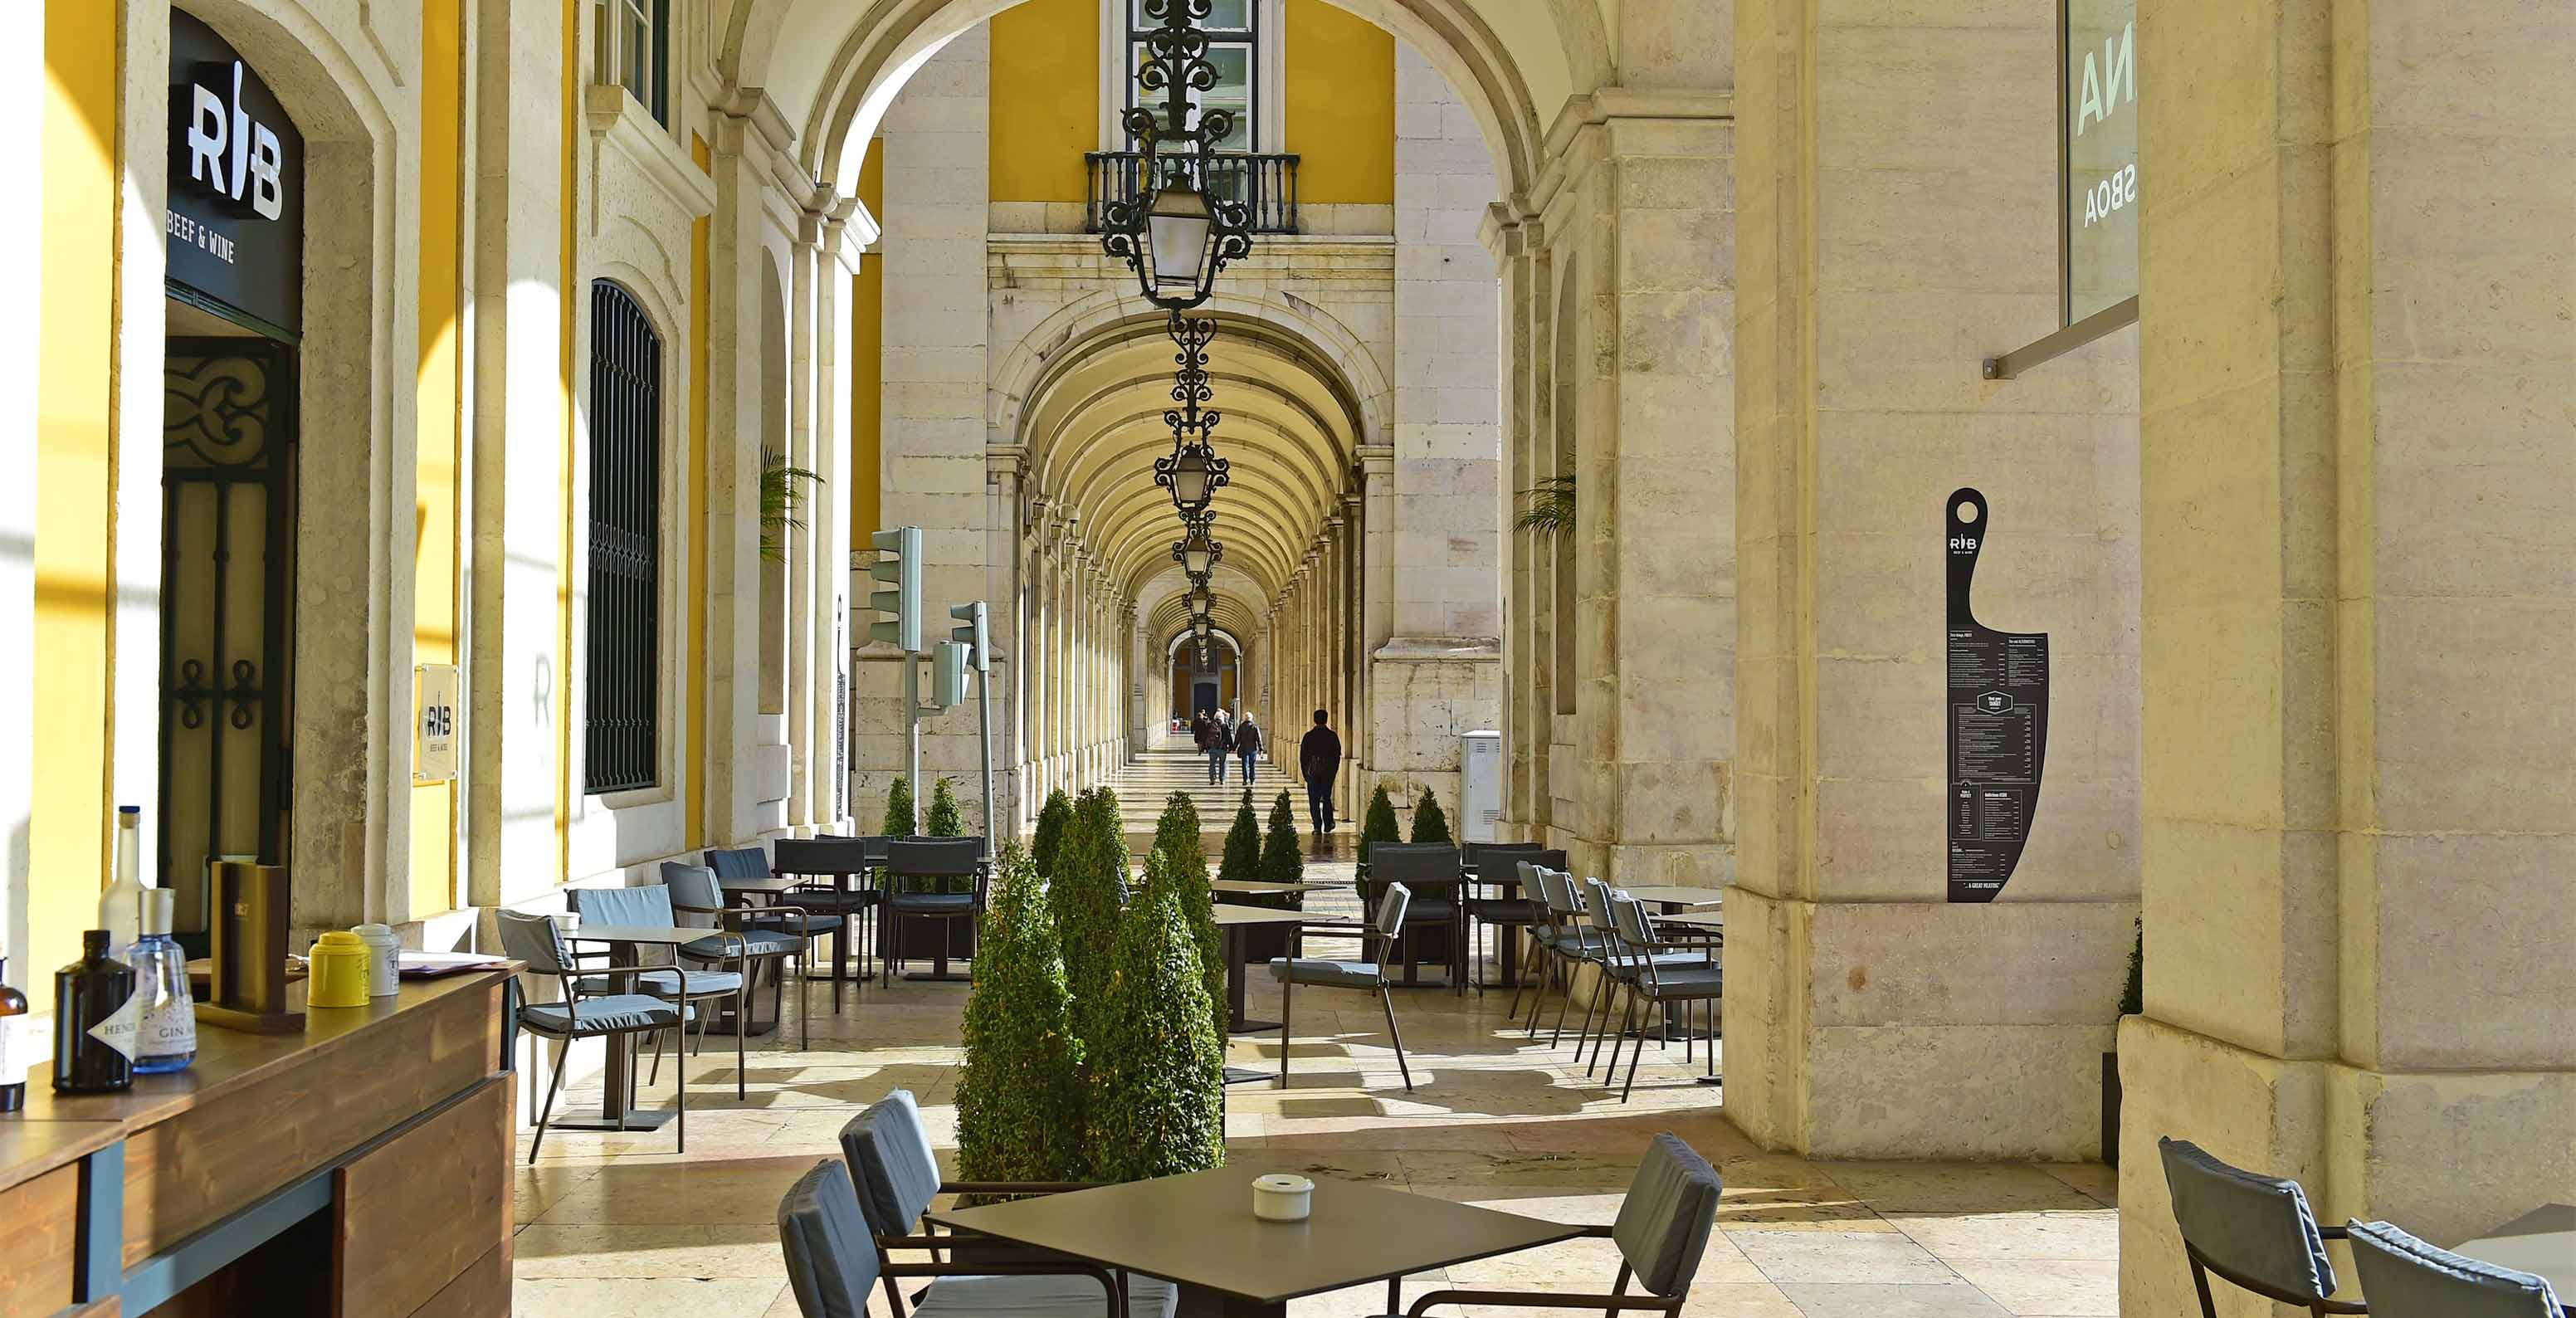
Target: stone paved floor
[618,1225]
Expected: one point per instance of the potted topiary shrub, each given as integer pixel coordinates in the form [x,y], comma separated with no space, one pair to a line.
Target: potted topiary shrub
[2133,1002]
[1378,825]
[944,819]
[1053,820]
[1429,824]
[1154,1098]
[1242,861]
[1177,837]
[1019,1098]
[1088,891]
[898,821]
[1283,860]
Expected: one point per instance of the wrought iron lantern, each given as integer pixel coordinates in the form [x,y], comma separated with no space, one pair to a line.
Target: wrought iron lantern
[1200,629]
[1202,604]
[1173,231]
[1198,552]
[1193,472]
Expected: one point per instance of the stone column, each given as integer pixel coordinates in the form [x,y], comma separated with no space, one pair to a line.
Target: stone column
[2360,615]
[1041,714]
[1377,611]
[1529,559]
[1004,465]
[842,232]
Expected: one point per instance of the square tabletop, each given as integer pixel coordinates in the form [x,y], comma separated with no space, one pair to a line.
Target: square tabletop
[1228,913]
[773,884]
[665,935]
[1252,887]
[2541,1241]
[1692,920]
[1198,1230]
[1671,896]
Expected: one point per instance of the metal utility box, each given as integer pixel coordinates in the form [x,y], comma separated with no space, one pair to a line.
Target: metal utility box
[1480,791]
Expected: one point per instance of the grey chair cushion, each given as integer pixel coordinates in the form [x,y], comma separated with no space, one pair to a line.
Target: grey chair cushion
[1057,1297]
[898,1172]
[757,942]
[617,1011]
[831,1261]
[668,983]
[1663,1224]
[2404,1277]
[931,903]
[1335,974]
[535,939]
[2257,1227]
[817,924]
[695,887]
[1430,911]
[644,906]
[1685,984]
[738,863]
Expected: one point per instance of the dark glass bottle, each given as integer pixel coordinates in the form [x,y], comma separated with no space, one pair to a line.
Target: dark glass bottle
[95,1015]
[14,1044]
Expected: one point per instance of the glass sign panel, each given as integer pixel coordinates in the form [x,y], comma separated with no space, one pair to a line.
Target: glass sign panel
[2101,180]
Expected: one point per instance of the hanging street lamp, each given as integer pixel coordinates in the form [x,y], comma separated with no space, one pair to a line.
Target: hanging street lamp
[1193,472]
[1198,552]
[1173,231]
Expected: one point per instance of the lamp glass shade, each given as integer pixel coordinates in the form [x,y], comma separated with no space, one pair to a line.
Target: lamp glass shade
[1176,233]
[1194,558]
[1190,477]
[1200,628]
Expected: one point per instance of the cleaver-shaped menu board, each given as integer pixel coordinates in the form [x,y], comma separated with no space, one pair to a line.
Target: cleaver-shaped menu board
[1998,719]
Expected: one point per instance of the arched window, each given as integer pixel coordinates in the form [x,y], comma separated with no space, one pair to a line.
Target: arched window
[623,694]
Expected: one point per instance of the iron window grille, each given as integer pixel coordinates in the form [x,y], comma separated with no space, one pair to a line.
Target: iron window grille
[622,697]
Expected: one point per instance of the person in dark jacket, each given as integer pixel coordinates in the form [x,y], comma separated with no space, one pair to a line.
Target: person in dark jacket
[1220,739]
[1247,744]
[1319,760]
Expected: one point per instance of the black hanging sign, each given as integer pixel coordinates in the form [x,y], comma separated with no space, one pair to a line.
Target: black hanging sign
[1998,717]
[235,222]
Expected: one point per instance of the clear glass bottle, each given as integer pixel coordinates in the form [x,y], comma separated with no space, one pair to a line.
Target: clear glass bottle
[166,1037]
[95,1010]
[120,906]
[14,1044]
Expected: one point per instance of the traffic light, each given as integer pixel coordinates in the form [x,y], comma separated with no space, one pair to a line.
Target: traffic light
[902,603]
[972,634]
[948,674]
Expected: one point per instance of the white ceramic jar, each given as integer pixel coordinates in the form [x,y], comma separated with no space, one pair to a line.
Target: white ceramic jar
[384,959]
[1280,1197]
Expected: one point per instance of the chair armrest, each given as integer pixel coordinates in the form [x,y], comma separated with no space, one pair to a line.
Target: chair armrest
[1115,1293]
[1544,1300]
[2332,1232]
[1016,1187]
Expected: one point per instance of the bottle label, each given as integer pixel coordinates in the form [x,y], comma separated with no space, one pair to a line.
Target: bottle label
[121,1027]
[13,1057]
[169,1027]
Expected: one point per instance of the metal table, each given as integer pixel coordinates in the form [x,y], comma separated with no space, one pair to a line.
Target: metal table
[2542,1241]
[623,939]
[1198,1232]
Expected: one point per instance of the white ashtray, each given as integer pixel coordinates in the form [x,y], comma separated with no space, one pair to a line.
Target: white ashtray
[1280,1197]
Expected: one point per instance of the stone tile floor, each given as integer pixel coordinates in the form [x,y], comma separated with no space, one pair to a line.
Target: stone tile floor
[618,1226]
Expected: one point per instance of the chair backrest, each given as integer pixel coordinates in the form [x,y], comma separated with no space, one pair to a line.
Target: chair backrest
[831,1259]
[1556,888]
[2254,1230]
[1409,863]
[1391,906]
[2403,1277]
[934,857]
[1663,1224]
[1491,858]
[535,939]
[890,1150]
[648,906]
[695,894]
[738,862]
[816,855]
[1596,904]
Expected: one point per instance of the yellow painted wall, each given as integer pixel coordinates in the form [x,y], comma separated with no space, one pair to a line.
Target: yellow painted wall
[1340,105]
[867,365]
[439,387]
[1045,99]
[75,485]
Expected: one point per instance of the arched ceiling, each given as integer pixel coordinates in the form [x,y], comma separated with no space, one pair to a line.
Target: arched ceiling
[1288,424]
[1166,614]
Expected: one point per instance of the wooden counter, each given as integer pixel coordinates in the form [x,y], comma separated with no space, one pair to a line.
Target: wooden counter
[360,1169]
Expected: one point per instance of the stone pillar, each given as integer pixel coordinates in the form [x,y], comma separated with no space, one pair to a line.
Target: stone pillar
[1040,716]
[1529,559]
[842,233]
[1004,465]
[1377,610]
[2360,615]
[1867,1015]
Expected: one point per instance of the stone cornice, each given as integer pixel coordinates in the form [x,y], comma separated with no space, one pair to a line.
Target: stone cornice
[619,121]
[1603,105]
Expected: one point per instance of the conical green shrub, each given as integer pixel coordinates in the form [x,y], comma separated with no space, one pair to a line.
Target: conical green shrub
[943,820]
[1282,860]
[1184,854]
[1429,825]
[1154,1100]
[1242,861]
[898,821]
[1019,1098]
[1379,825]
[1089,889]
[1047,847]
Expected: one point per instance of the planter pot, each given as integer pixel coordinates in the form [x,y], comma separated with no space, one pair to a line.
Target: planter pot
[2110,1109]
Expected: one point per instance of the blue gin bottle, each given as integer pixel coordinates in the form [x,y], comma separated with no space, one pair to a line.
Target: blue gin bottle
[166,1036]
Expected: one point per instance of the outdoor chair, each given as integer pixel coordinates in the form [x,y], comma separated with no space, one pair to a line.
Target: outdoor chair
[832,1264]
[2404,1277]
[1367,974]
[1623,967]
[822,858]
[1431,873]
[2255,1232]
[539,942]
[668,980]
[1571,943]
[916,872]
[1510,917]
[890,1157]
[1661,1232]
[1657,975]
[699,902]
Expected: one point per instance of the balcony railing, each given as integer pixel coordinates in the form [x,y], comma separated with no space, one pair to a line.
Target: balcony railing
[1267,184]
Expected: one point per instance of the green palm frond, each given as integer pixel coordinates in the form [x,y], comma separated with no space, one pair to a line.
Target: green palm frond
[1547,508]
[780,499]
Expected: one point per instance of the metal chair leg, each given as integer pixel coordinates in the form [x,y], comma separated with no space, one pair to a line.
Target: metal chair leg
[1566,985]
[1633,1055]
[656,1077]
[1287,994]
[1386,998]
[741,1031]
[549,1109]
[680,1082]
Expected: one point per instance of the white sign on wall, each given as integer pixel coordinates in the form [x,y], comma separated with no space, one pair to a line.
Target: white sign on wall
[2101,98]
[433,755]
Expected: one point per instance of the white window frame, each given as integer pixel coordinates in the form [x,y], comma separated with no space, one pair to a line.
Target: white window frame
[1269,75]
[608,54]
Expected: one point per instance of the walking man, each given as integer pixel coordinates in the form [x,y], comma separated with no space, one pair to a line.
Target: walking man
[1319,759]
[1247,744]
[1220,739]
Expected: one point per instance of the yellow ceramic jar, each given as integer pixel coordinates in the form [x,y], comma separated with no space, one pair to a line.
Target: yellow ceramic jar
[339,977]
